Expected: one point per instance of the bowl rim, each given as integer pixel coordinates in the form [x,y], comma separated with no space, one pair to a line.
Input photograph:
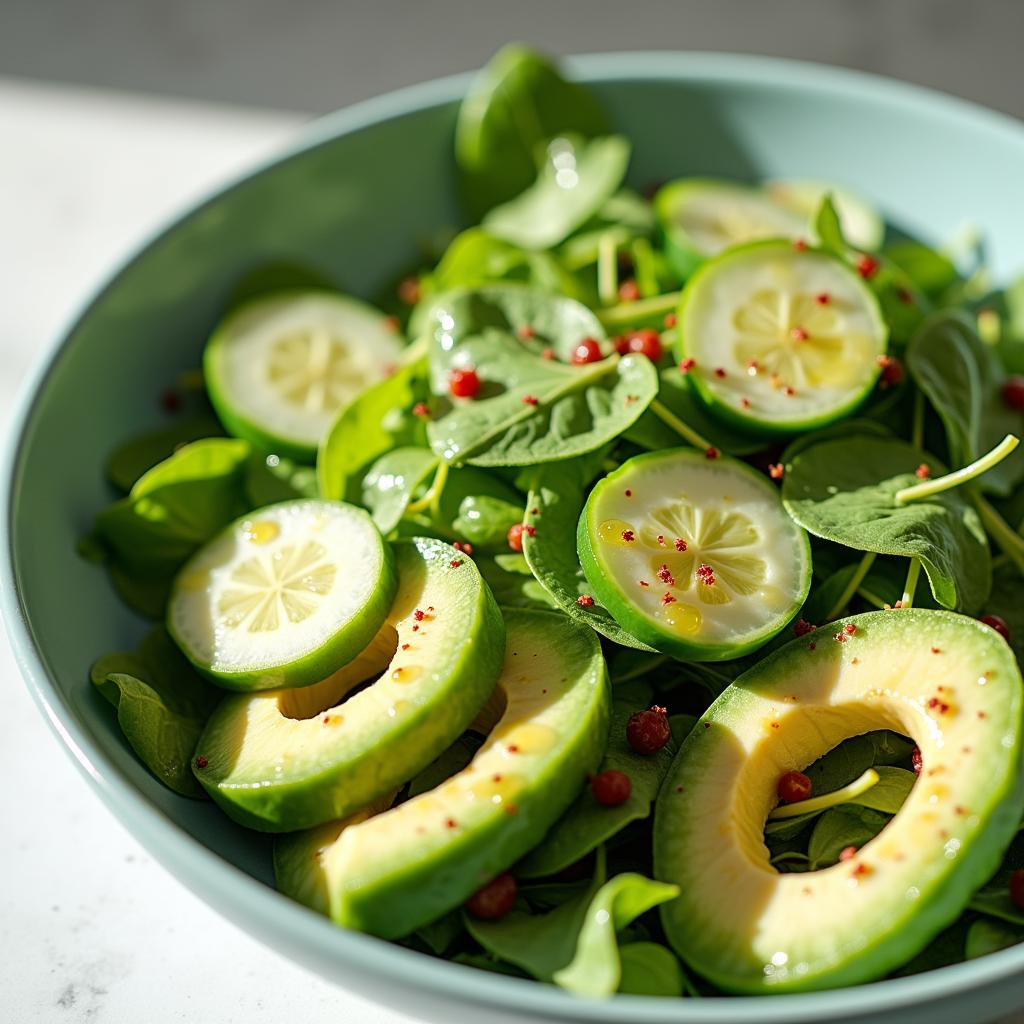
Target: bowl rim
[242,898]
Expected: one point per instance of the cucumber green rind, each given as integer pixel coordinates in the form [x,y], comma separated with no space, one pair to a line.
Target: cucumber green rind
[391,748]
[750,423]
[639,625]
[338,650]
[422,872]
[944,887]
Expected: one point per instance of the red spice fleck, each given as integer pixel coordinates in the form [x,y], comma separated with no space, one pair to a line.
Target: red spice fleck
[802,627]
[923,472]
[644,583]
[409,290]
[405,647]
[823,298]
[496,777]
[898,605]
[455,563]
[706,574]
[629,493]
[547,353]
[611,788]
[687,365]
[936,650]
[707,725]
[775,725]
[526,332]
[515,536]
[511,809]
[680,789]
[463,383]
[861,870]
[799,334]
[512,748]
[1012,393]
[789,391]
[415,627]
[794,787]
[800,244]
[202,761]
[960,810]
[629,291]
[744,403]
[905,296]
[661,539]
[667,599]
[849,629]
[587,350]
[981,714]
[648,731]
[719,372]
[867,266]
[840,638]
[1017,888]
[665,575]
[670,321]
[811,646]
[495,899]
[327,719]
[680,544]
[916,760]
[585,601]
[628,536]
[711,453]
[848,853]
[998,623]
[419,615]
[646,342]
[421,409]
[534,511]
[776,470]
[753,367]
[892,372]
[530,399]
[392,323]
[170,401]
[463,546]
[934,703]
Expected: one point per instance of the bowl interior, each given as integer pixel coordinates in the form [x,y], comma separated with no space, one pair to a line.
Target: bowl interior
[356,201]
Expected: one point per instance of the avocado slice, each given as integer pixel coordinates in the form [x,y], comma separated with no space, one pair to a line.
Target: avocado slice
[289,759]
[943,679]
[393,872]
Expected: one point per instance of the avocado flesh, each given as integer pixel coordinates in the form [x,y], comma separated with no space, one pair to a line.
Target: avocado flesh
[393,872]
[945,680]
[289,759]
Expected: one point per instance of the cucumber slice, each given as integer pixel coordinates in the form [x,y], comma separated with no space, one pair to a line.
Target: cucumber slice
[283,596]
[293,759]
[702,217]
[694,556]
[862,225]
[394,872]
[278,369]
[784,338]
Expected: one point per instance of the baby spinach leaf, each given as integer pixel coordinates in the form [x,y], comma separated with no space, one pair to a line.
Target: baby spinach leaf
[391,482]
[575,181]
[141,453]
[649,969]
[377,420]
[512,583]
[946,948]
[994,901]
[529,409]
[176,506]
[930,270]
[625,216]
[273,478]
[844,491]
[440,935]
[587,824]
[828,227]
[986,936]
[887,795]
[1005,601]
[595,969]
[553,508]
[840,827]
[162,706]
[514,106]
[484,520]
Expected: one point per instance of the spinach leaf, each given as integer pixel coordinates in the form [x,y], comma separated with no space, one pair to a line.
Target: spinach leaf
[994,901]
[587,824]
[529,409]
[137,455]
[440,935]
[1005,601]
[557,493]
[485,520]
[273,478]
[986,936]
[946,948]
[162,706]
[930,270]
[147,596]
[377,420]
[844,491]
[514,106]
[176,506]
[828,227]
[887,795]
[840,827]
[391,482]
[511,582]
[625,216]
[649,969]
[575,181]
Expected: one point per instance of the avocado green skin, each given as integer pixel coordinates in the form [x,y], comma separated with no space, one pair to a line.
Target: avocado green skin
[395,899]
[413,740]
[624,611]
[939,904]
[734,417]
[319,664]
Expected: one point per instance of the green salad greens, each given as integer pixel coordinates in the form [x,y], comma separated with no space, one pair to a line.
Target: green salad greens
[630,599]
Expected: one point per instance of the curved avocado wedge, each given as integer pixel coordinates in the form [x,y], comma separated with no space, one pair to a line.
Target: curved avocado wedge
[946,681]
[284,760]
[391,873]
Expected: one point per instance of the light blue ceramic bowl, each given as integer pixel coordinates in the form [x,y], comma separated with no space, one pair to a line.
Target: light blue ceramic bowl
[354,197]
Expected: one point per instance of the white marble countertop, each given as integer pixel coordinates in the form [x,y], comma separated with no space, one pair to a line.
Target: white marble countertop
[91,929]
